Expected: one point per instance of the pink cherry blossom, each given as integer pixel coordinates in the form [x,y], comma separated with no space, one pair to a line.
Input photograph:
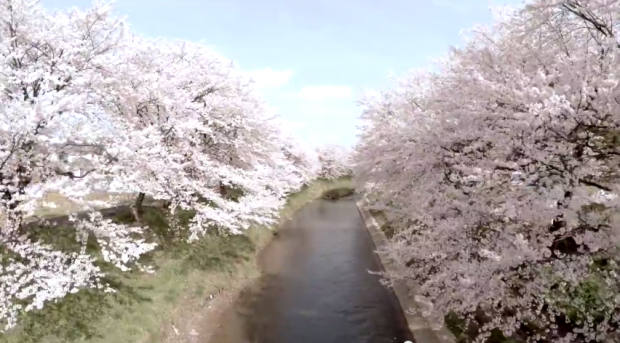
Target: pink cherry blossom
[90,107]
[499,175]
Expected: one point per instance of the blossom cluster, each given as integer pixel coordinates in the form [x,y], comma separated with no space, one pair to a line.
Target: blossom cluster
[335,161]
[88,106]
[499,173]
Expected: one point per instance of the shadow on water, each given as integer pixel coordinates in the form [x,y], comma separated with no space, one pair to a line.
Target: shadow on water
[316,287]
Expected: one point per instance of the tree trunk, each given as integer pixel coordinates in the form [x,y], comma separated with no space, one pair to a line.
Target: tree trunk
[222,189]
[136,208]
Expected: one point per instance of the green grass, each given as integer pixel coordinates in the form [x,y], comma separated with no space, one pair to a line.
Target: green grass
[147,306]
[464,333]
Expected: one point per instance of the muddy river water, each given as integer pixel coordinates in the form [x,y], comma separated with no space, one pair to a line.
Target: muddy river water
[316,287]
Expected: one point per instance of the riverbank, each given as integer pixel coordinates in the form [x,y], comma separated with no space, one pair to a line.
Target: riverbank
[412,304]
[179,303]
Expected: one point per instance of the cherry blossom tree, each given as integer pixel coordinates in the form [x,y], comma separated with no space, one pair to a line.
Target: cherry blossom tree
[303,157]
[334,161]
[90,107]
[499,175]
[214,131]
[50,77]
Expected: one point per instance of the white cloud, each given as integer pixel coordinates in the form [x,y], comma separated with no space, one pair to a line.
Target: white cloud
[269,78]
[325,92]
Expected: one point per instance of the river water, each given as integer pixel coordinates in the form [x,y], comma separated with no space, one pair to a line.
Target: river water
[316,287]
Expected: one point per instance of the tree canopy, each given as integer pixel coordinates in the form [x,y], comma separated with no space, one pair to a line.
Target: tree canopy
[499,174]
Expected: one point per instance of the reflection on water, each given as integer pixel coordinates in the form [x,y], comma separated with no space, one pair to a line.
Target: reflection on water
[316,286]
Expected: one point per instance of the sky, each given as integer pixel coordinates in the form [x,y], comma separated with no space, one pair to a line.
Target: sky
[312,59]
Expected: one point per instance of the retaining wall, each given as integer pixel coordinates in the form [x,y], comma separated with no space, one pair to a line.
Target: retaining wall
[419,326]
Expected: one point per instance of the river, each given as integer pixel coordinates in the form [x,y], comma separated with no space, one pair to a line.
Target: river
[316,287]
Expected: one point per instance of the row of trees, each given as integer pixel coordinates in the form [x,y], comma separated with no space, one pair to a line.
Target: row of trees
[89,107]
[499,173]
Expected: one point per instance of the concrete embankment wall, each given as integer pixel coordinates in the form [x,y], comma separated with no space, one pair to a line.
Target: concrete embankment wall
[410,303]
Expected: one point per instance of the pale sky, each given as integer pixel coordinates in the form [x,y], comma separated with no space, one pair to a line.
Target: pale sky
[313,58]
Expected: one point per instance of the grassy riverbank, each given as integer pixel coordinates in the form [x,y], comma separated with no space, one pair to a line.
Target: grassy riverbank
[168,306]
